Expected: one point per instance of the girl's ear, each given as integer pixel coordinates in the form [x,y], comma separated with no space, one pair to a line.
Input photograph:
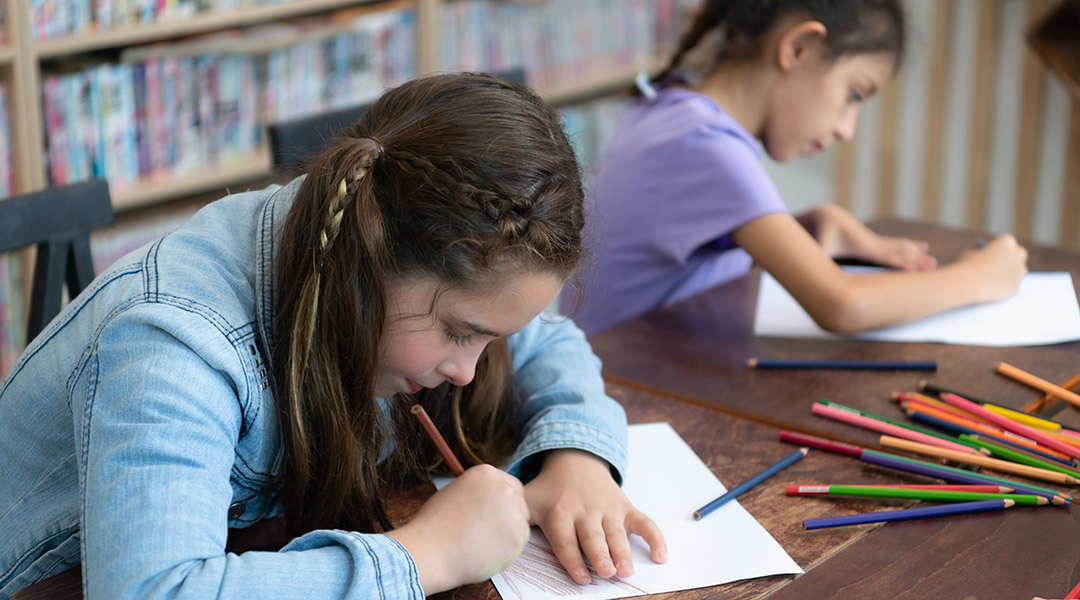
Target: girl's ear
[795,44]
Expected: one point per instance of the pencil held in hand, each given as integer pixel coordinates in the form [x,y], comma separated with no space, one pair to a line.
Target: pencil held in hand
[436,438]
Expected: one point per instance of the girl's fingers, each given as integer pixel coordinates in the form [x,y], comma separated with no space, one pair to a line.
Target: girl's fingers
[639,524]
[618,545]
[564,543]
[594,544]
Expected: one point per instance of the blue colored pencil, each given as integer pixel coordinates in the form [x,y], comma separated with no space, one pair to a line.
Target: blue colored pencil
[959,429]
[749,483]
[904,514]
[812,363]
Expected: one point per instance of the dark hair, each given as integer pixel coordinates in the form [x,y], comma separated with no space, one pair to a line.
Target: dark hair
[736,28]
[461,178]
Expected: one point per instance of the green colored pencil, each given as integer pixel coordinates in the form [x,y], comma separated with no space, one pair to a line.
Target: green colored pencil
[1019,457]
[939,495]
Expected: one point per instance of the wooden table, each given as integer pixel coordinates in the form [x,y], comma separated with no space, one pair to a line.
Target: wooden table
[696,350]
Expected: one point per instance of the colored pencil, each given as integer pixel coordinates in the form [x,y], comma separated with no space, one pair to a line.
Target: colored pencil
[950,440]
[953,474]
[821,443]
[1037,382]
[905,514]
[933,389]
[1019,457]
[1026,419]
[1010,425]
[933,495]
[812,363]
[1074,594]
[1005,466]
[436,438]
[906,399]
[847,416]
[931,417]
[1040,403]
[821,489]
[736,491]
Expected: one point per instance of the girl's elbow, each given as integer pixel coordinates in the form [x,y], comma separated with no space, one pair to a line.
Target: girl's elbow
[844,315]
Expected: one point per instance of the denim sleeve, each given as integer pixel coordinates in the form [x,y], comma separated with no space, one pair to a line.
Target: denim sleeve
[564,403]
[156,411]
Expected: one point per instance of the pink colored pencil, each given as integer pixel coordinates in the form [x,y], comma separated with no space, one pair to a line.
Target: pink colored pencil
[1009,425]
[822,489]
[847,416]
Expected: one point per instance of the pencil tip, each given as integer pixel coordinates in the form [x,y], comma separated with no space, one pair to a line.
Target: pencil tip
[1009,503]
[697,516]
[751,362]
[804,450]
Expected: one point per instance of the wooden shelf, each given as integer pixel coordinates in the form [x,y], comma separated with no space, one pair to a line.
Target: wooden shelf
[592,86]
[200,23]
[150,193]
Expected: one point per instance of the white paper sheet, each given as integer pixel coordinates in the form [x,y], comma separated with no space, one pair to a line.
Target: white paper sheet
[668,482]
[1044,310]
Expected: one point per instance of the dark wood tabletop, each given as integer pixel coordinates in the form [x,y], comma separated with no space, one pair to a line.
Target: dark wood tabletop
[697,350]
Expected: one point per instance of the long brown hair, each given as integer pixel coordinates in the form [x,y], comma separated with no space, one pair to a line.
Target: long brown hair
[460,178]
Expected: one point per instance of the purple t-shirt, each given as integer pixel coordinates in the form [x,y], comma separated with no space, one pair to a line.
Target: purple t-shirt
[679,176]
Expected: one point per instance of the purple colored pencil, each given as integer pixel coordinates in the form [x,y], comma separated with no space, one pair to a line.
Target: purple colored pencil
[904,514]
[941,472]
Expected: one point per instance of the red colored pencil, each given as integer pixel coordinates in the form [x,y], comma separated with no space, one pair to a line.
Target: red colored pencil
[436,438]
[800,439]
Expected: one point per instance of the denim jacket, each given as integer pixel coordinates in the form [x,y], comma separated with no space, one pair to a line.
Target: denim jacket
[139,426]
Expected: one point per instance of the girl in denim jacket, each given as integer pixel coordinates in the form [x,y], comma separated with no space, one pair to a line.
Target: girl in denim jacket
[262,360]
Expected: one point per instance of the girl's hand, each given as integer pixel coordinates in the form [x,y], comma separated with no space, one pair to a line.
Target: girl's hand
[999,267]
[581,510]
[468,531]
[842,235]
[899,253]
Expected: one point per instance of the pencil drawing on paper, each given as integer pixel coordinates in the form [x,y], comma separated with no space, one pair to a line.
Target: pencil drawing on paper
[538,567]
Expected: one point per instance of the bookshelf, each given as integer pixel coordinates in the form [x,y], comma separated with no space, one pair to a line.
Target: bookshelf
[52,51]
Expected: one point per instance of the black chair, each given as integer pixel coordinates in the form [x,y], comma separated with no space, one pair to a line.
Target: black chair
[58,221]
[293,143]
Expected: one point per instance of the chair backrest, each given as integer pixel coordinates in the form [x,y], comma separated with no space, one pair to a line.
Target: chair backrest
[295,142]
[58,221]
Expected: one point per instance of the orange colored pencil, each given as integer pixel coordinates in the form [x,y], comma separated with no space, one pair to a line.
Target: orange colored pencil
[1010,425]
[904,397]
[896,443]
[1045,399]
[436,438]
[987,429]
[1038,383]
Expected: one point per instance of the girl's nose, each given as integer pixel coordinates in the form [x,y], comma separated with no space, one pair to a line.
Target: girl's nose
[459,369]
[845,129]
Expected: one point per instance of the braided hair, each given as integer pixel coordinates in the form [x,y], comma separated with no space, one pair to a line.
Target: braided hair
[729,30]
[464,179]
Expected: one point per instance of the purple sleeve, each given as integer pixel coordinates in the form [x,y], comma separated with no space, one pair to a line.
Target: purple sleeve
[716,184]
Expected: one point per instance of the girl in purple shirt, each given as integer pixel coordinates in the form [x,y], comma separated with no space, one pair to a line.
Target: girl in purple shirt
[683,202]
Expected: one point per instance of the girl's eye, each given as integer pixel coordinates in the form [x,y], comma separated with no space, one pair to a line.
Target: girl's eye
[457,338]
[855,96]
